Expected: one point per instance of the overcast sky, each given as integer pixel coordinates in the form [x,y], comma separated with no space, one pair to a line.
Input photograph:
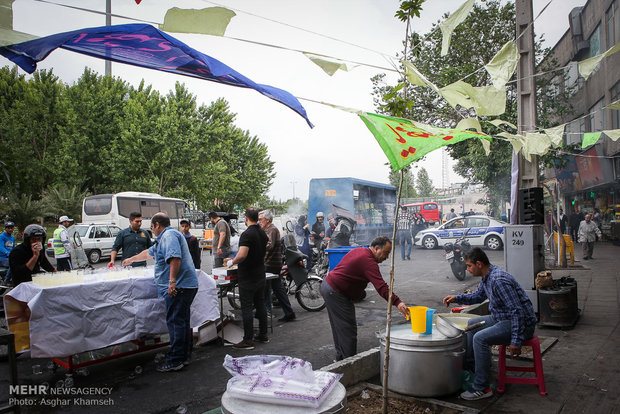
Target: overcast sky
[339,145]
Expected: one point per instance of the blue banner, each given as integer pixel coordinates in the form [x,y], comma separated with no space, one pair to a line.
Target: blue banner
[145,46]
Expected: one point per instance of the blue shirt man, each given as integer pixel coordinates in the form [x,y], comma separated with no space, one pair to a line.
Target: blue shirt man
[7,242]
[171,244]
[512,319]
[177,284]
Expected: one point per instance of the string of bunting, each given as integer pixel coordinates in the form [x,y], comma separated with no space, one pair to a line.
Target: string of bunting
[486,100]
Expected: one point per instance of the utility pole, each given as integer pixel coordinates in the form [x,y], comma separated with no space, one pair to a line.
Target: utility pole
[526,102]
[293,182]
[108,22]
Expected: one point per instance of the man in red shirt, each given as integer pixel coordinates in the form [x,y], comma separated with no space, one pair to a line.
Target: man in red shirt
[346,283]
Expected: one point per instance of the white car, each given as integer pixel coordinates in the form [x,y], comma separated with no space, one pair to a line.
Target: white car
[97,240]
[481,231]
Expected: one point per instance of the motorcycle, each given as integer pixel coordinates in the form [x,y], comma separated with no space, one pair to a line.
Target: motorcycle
[306,288]
[455,255]
[320,260]
[297,281]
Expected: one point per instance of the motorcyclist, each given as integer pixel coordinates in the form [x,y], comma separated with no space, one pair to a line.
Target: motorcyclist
[342,232]
[302,237]
[7,241]
[28,258]
[318,229]
[419,224]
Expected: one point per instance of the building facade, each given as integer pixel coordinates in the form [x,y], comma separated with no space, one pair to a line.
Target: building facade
[591,178]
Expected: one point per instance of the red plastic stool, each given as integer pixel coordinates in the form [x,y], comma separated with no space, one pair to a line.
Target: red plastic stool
[537,368]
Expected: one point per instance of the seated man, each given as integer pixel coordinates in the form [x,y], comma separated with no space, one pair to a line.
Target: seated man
[511,322]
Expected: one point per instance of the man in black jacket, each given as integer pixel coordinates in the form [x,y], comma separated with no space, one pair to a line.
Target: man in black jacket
[28,258]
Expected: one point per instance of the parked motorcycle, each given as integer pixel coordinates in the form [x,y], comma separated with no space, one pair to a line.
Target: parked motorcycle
[295,275]
[455,255]
[320,260]
[307,288]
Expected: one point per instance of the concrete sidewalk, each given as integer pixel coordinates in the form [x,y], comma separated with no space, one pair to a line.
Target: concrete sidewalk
[582,369]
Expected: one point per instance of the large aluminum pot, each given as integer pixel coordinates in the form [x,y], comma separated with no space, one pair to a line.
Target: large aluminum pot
[423,365]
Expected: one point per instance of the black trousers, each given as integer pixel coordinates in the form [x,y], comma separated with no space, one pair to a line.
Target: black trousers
[253,296]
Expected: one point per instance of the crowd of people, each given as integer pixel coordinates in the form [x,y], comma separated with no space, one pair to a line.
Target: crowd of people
[177,255]
[584,228]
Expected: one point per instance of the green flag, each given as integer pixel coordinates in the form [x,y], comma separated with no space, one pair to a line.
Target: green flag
[404,141]
[590,138]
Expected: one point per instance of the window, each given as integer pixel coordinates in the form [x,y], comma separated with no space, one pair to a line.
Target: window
[613,24]
[98,205]
[126,206]
[149,208]
[477,222]
[595,41]
[596,116]
[101,232]
[615,114]
[81,230]
[169,208]
[114,230]
[430,206]
[572,80]
[457,224]
[574,131]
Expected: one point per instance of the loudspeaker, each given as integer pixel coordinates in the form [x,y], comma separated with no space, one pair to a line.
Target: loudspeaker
[531,206]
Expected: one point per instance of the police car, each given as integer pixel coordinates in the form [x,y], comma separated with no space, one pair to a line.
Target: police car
[483,231]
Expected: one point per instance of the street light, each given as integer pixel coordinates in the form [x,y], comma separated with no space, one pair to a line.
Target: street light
[293,182]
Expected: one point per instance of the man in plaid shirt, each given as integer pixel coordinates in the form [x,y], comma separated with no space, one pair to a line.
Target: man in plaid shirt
[404,233]
[511,322]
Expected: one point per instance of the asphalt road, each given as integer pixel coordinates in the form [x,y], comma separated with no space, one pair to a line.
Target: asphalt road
[424,280]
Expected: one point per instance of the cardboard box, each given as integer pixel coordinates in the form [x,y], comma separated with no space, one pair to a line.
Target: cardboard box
[225,273]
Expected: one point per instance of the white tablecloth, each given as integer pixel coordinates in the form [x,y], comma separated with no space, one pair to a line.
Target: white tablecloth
[65,320]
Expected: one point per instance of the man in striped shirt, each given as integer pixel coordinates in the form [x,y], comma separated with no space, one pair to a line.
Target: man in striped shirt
[404,233]
[511,322]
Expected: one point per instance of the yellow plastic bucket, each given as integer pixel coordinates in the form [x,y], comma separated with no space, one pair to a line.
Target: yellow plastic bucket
[421,319]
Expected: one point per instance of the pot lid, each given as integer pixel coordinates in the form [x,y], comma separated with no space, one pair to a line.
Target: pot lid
[403,335]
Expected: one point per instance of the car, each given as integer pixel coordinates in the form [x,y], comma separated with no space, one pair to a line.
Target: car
[481,231]
[97,240]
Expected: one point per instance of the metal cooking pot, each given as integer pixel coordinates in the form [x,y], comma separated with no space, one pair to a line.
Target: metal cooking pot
[452,330]
[423,365]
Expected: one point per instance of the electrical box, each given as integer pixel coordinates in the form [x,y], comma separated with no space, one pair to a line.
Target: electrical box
[524,255]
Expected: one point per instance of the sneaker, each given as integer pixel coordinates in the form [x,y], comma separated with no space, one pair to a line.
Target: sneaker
[408,257]
[261,338]
[477,395]
[245,344]
[287,318]
[168,366]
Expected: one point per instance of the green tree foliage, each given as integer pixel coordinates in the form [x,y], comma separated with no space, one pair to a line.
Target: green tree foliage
[100,135]
[23,210]
[488,27]
[29,113]
[408,181]
[62,199]
[425,185]
[92,111]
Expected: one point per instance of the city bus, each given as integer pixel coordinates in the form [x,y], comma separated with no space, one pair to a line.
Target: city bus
[116,208]
[428,209]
